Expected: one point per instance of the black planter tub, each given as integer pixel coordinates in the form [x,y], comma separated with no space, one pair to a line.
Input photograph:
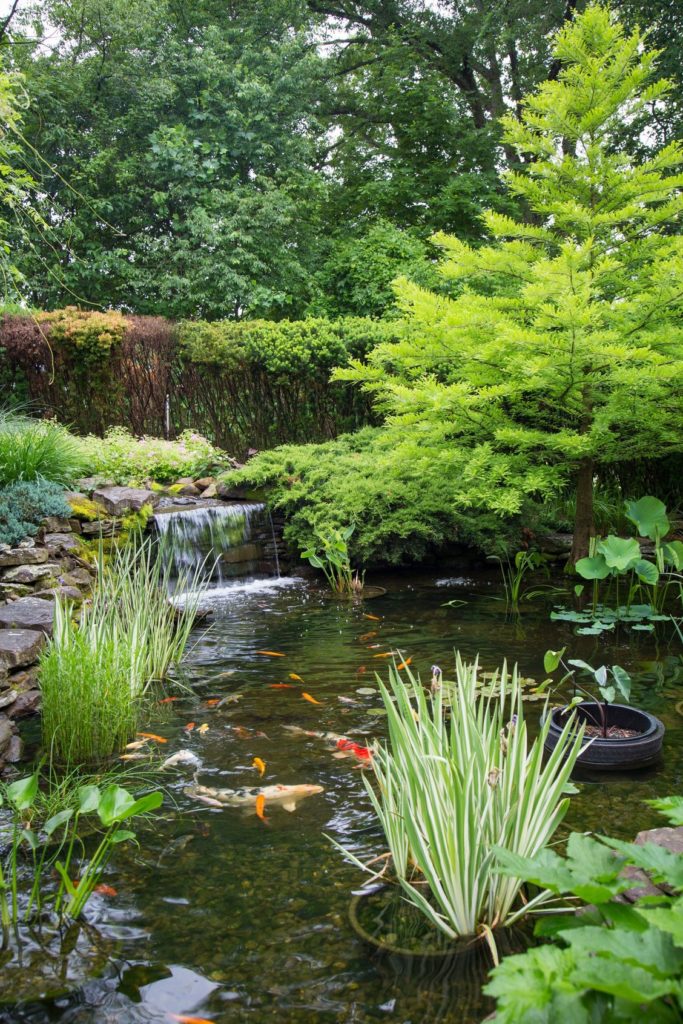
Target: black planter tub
[613,754]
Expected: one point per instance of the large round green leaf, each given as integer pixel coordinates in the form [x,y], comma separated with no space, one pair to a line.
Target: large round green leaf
[595,568]
[620,553]
[646,571]
[649,515]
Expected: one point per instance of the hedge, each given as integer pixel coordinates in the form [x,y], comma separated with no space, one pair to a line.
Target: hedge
[246,384]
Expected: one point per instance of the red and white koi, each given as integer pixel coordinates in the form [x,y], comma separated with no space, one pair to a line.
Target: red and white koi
[344,747]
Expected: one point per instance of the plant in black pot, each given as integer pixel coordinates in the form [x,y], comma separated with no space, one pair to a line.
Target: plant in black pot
[621,737]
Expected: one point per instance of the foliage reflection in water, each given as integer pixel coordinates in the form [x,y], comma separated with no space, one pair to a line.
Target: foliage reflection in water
[222,917]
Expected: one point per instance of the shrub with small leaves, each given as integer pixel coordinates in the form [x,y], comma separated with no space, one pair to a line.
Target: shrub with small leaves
[25,504]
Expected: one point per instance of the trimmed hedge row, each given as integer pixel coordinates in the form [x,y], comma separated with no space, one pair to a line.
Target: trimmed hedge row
[250,384]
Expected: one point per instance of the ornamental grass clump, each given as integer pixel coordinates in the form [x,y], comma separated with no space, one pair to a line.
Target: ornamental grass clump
[94,674]
[32,449]
[457,784]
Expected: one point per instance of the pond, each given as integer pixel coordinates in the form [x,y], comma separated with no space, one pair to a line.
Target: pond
[222,916]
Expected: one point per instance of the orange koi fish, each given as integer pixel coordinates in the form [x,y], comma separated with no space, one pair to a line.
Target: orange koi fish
[260,808]
[212,701]
[281,686]
[373,647]
[385,654]
[344,747]
[168,700]
[404,664]
[375,618]
[189,727]
[106,890]
[311,700]
[368,636]
[293,675]
[181,1018]
[152,736]
[272,654]
[361,670]
[203,728]
[260,765]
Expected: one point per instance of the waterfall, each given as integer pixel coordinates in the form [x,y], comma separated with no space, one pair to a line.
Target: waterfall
[229,540]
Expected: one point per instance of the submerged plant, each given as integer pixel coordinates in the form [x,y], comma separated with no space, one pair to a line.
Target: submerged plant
[331,554]
[452,789]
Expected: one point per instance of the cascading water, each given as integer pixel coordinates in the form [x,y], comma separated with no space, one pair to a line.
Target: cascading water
[217,541]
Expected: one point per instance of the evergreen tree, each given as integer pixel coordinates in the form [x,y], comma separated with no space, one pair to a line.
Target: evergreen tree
[565,343]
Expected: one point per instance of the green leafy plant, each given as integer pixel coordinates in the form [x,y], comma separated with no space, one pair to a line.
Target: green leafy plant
[452,788]
[612,962]
[620,682]
[56,843]
[331,554]
[23,505]
[514,571]
[31,449]
[123,458]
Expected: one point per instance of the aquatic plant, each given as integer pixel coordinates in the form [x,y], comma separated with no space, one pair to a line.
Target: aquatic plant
[615,960]
[330,552]
[32,449]
[56,843]
[452,789]
[513,572]
[94,673]
[621,682]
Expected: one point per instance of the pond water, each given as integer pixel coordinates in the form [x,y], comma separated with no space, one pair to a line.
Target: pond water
[220,916]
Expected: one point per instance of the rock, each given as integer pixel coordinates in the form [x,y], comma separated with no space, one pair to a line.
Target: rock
[15,749]
[557,544]
[119,500]
[28,613]
[31,573]
[26,703]
[209,492]
[77,577]
[101,528]
[231,492]
[19,647]
[205,482]
[8,697]
[187,487]
[58,542]
[10,591]
[64,593]
[75,525]
[56,524]
[242,553]
[6,733]
[22,556]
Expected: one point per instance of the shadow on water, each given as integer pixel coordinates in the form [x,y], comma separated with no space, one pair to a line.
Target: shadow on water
[222,917]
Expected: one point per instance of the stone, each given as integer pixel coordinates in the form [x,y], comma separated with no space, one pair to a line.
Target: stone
[64,593]
[119,500]
[230,492]
[6,733]
[7,697]
[187,487]
[22,556]
[75,525]
[77,577]
[58,542]
[19,647]
[101,528]
[15,749]
[56,524]
[10,591]
[28,613]
[242,553]
[209,492]
[205,482]
[26,703]
[31,574]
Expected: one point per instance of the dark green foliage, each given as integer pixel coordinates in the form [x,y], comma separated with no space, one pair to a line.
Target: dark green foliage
[24,505]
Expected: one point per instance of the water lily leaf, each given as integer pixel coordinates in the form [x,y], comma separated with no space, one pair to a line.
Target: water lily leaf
[595,568]
[377,711]
[590,631]
[644,627]
[673,553]
[646,571]
[551,659]
[366,691]
[620,553]
[649,516]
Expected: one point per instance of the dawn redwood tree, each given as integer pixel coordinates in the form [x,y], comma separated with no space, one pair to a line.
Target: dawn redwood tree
[564,343]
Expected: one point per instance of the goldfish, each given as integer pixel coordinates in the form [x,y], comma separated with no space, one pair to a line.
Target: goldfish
[404,664]
[260,807]
[311,700]
[152,736]
[181,757]
[212,701]
[293,675]
[281,686]
[203,728]
[260,765]
[181,1018]
[189,727]
[168,700]
[375,618]
[386,654]
[136,745]
[133,757]
[272,654]
[286,797]
[361,670]
[246,734]
[105,890]
[373,647]
[368,636]
[343,745]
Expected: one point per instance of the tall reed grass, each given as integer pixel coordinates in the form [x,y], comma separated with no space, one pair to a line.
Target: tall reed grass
[455,784]
[31,449]
[94,674]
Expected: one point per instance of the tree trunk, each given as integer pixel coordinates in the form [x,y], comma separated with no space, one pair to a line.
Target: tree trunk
[583,522]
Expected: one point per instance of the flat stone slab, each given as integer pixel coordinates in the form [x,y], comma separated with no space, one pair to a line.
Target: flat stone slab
[118,500]
[20,647]
[22,556]
[667,837]
[26,703]
[28,613]
[31,573]
[61,541]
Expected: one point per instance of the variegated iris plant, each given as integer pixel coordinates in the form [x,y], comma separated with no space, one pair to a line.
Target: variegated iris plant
[453,787]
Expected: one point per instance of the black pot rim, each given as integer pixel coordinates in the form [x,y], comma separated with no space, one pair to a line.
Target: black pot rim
[651,723]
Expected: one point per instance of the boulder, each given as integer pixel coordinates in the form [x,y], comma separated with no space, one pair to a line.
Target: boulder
[119,500]
[10,591]
[26,703]
[8,697]
[6,733]
[19,647]
[56,524]
[28,613]
[187,487]
[31,574]
[64,593]
[204,482]
[58,542]
[101,528]
[77,577]
[15,749]
[22,556]
[209,492]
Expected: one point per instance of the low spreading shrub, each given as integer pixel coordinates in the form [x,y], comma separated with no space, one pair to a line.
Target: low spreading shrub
[32,449]
[124,459]
[24,505]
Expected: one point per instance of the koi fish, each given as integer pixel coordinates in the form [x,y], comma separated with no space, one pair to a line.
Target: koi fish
[281,686]
[311,700]
[293,675]
[344,747]
[375,618]
[134,757]
[105,890]
[212,701]
[404,664]
[168,700]
[385,654]
[152,736]
[272,654]
[368,636]
[181,757]
[260,765]
[347,700]
[247,734]
[260,808]
[136,745]
[181,1018]
[203,728]
[189,727]
[286,797]
[373,647]
[361,670]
